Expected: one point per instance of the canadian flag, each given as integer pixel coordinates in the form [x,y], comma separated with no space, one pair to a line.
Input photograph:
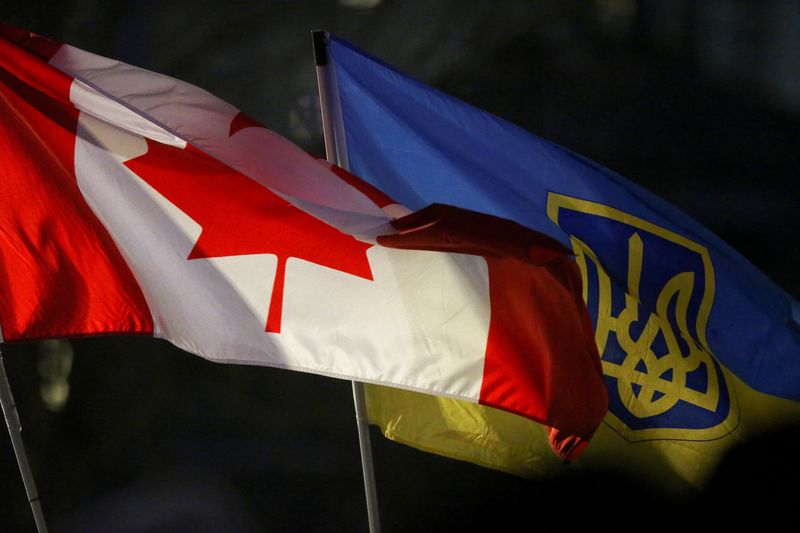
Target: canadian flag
[134,203]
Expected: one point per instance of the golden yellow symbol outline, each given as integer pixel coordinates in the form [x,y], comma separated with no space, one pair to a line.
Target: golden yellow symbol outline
[657,394]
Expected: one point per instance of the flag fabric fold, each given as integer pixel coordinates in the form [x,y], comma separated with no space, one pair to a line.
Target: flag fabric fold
[699,349]
[134,203]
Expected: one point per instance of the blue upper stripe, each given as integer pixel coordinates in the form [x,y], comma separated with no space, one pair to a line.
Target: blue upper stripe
[421,146]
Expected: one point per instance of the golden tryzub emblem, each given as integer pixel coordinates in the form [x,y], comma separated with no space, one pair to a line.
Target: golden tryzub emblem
[649,292]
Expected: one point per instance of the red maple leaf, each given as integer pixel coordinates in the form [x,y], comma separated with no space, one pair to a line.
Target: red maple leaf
[239,216]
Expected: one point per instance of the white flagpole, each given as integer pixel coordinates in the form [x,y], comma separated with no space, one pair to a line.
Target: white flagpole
[336,153]
[15,430]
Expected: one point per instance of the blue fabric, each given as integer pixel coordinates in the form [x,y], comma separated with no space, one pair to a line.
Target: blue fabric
[421,146]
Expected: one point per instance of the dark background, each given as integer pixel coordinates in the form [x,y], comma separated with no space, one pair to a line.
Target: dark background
[697,101]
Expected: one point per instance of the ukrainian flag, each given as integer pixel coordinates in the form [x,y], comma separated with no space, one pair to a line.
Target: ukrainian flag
[699,349]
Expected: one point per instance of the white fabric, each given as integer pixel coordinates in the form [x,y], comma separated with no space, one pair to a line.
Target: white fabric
[194,115]
[422,323]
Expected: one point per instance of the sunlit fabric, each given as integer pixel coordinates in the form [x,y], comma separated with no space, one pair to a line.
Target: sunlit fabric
[135,203]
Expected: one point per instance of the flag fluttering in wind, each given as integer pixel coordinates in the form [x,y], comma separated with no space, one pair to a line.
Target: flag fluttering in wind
[134,203]
[699,349]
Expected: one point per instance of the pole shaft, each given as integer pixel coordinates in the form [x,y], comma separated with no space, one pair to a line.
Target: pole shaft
[336,153]
[15,431]
[332,123]
[370,488]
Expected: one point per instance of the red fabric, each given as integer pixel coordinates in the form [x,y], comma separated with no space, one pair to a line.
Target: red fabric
[239,216]
[40,46]
[568,447]
[541,358]
[240,122]
[375,195]
[60,272]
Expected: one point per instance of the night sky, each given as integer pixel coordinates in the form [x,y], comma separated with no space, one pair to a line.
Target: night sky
[699,104]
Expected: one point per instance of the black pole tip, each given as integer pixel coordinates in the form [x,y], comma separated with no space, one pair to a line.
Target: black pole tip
[320,40]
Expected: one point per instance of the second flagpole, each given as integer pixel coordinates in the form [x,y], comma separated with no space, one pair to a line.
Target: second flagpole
[15,431]
[336,153]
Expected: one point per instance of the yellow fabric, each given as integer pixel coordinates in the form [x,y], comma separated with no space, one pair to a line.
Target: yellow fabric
[506,442]
[650,355]
[462,430]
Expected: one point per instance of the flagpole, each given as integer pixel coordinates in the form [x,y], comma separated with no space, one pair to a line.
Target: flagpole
[336,153]
[15,430]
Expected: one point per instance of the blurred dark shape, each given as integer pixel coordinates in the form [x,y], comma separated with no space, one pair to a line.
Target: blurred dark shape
[758,476]
[576,499]
[177,503]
